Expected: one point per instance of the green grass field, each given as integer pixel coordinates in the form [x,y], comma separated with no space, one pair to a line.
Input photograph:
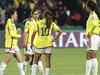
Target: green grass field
[65,61]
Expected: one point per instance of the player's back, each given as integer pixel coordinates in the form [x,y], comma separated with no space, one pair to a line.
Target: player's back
[44,34]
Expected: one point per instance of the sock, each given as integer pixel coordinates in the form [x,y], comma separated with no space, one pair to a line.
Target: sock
[25,65]
[34,68]
[20,67]
[40,65]
[47,71]
[31,69]
[94,66]
[88,67]
[2,68]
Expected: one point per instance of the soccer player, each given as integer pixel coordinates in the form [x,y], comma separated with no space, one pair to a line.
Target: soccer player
[29,50]
[93,38]
[44,42]
[11,38]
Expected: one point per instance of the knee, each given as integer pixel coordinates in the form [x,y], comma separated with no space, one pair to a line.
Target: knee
[27,58]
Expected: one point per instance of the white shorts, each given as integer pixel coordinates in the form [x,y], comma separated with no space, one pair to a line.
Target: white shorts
[93,42]
[43,50]
[12,50]
[29,51]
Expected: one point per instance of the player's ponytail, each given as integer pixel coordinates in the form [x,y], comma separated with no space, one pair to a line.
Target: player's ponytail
[49,15]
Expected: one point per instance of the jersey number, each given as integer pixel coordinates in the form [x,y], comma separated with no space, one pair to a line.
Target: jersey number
[45,31]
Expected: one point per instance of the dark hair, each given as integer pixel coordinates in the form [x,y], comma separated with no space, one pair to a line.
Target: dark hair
[93,6]
[33,12]
[48,13]
[10,12]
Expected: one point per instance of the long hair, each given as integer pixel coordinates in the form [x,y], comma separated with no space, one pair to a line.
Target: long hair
[10,12]
[50,15]
[93,6]
[32,12]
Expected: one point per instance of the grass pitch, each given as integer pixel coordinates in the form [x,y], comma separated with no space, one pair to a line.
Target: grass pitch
[65,61]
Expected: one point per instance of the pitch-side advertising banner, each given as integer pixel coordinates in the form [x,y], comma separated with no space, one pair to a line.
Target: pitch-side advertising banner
[71,39]
[68,39]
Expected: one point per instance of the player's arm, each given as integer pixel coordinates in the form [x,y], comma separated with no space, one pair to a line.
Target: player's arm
[32,38]
[33,33]
[25,34]
[13,33]
[58,30]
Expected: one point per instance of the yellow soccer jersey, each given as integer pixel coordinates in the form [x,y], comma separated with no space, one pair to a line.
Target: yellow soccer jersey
[92,25]
[11,35]
[44,35]
[35,38]
[29,29]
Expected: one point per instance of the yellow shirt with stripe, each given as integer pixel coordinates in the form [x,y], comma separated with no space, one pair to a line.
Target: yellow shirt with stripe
[11,35]
[28,26]
[92,25]
[44,35]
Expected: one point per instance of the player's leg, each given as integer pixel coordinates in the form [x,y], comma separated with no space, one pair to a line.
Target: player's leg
[88,63]
[28,56]
[40,66]
[19,59]
[95,45]
[6,60]
[31,63]
[37,56]
[48,61]
[26,60]
[91,55]
[94,62]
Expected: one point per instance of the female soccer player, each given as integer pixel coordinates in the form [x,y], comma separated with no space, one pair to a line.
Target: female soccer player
[11,38]
[93,38]
[44,42]
[29,50]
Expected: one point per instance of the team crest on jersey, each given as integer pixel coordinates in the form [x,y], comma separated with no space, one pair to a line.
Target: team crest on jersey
[12,26]
[92,18]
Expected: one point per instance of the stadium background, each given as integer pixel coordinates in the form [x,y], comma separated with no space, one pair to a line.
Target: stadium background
[70,15]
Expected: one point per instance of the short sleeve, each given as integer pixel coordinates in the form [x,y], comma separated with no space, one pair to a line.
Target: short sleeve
[94,19]
[55,27]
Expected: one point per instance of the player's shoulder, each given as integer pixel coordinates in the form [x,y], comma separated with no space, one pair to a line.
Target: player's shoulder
[93,15]
[8,20]
[41,22]
[54,24]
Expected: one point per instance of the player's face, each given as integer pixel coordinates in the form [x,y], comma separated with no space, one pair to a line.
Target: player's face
[36,15]
[87,9]
[14,16]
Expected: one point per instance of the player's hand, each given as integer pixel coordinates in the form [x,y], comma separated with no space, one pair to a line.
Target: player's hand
[24,44]
[89,35]
[52,39]
[19,30]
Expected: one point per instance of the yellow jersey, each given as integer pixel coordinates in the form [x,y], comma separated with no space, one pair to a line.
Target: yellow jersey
[44,35]
[28,26]
[92,25]
[11,35]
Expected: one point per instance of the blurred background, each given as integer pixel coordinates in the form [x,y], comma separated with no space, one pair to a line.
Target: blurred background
[66,13]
